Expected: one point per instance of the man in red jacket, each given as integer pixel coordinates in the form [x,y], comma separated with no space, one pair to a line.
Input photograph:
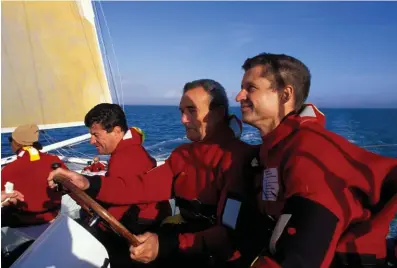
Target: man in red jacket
[333,200]
[197,174]
[96,166]
[28,173]
[110,135]
[202,173]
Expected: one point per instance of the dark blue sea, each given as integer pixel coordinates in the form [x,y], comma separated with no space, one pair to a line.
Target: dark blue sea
[365,127]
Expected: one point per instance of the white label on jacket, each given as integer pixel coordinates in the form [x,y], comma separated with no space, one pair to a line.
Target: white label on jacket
[270,186]
[230,214]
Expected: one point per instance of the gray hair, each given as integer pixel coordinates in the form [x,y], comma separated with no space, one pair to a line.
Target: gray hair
[216,91]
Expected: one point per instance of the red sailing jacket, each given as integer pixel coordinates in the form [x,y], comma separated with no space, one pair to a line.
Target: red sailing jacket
[194,171]
[128,160]
[208,170]
[95,167]
[29,174]
[323,189]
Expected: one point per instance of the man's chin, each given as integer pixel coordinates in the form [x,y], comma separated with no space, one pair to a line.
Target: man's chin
[246,118]
[193,138]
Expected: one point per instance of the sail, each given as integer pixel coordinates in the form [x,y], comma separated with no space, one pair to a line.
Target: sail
[51,65]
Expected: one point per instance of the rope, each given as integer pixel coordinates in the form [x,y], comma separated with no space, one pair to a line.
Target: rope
[105,54]
[114,54]
[379,145]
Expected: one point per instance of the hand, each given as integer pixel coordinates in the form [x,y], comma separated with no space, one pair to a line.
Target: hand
[77,179]
[14,197]
[148,250]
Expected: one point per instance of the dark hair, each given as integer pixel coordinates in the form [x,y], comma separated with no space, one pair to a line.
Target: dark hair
[216,91]
[283,70]
[108,115]
[37,145]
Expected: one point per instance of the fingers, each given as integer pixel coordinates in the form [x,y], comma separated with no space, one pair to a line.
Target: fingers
[135,251]
[143,237]
[55,173]
[51,177]
[147,251]
[19,196]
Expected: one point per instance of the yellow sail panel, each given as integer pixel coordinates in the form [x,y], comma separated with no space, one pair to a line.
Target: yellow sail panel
[52,70]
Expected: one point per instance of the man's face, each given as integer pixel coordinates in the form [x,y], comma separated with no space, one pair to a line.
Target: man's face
[104,142]
[260,103]
[197,118]
[96,159]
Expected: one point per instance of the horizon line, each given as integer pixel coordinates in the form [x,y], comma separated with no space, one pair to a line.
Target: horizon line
[322,107]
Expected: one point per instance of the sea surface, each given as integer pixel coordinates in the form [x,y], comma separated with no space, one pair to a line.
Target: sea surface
[164,131]
[376,128]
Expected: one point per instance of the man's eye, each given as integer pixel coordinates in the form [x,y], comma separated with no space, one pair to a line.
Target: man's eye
[251,88]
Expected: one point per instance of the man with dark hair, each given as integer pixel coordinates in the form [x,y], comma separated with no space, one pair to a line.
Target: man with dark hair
[28,173]
[202,174]
[110,135]
[333,200]
[197,175]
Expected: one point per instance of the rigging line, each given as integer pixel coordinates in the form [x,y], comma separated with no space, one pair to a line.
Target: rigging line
[67,150]
[106,54]
[89,47]
[114,53]
[33,58]
[379,145]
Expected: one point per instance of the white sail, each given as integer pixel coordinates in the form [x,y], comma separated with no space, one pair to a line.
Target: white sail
[52,69]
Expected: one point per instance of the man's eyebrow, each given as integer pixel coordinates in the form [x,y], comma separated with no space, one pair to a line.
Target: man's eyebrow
[246,84]
[188,107]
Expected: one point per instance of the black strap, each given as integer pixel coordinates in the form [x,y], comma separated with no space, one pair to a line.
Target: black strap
[198,209]
[36,213]
[347,260]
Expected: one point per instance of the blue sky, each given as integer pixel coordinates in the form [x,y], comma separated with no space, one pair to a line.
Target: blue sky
[350,47]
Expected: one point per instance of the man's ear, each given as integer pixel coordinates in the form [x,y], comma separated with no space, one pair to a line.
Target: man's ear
[117,130]
[287,94]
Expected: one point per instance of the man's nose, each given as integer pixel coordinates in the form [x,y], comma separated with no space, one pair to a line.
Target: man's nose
[242,95]
[185,119]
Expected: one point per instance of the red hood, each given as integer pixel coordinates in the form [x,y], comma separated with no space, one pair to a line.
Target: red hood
[311,113]
[134,136]
[291,122]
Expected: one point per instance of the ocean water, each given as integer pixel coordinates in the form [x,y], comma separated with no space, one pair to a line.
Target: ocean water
[164,131]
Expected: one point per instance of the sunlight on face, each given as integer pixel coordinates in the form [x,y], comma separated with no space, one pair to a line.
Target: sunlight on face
[260,104]
[194,107]
[104,142]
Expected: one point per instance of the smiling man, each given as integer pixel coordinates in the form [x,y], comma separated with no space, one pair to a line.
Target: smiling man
[324,191]
[128,159]
[201,174]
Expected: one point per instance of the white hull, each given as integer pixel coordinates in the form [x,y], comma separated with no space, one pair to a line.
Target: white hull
[66,244]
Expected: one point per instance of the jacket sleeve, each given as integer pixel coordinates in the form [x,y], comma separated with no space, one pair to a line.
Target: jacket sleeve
[128,184]
[314,216]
